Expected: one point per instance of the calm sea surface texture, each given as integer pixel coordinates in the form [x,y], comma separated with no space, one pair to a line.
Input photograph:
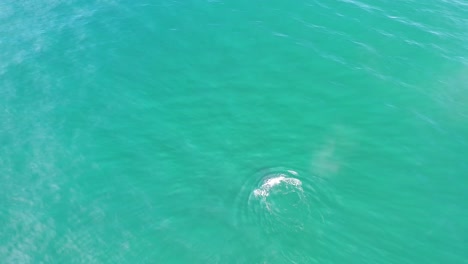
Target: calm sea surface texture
[234,131]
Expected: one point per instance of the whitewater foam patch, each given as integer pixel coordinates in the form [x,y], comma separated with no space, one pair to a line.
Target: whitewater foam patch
[265,189]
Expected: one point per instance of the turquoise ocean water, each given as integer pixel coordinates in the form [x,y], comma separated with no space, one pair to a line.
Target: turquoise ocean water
[222,131]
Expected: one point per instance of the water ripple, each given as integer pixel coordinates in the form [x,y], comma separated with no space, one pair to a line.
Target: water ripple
[280,198]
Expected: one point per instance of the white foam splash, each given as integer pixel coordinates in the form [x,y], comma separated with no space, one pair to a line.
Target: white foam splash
[267,185]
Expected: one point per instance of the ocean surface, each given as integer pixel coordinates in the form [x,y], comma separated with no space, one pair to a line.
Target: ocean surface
[222,131]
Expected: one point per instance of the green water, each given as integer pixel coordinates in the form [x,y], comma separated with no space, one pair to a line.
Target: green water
[233,131]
